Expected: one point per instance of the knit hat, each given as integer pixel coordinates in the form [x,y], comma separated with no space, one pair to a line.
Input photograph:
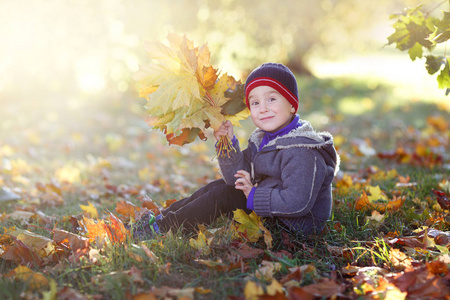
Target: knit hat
[276,76]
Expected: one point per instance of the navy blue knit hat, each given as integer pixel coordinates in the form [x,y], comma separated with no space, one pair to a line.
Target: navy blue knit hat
[276,76]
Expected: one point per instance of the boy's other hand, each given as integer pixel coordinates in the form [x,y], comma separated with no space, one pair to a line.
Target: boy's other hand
[225,129]
[244,182]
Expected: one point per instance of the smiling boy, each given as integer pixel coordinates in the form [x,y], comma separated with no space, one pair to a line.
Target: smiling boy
[284,174]
[287,169]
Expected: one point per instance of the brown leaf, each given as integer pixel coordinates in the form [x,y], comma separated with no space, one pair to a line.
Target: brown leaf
[420,284]
[247,252]
[298,293]
[151,256]
[74,241]
[437,268]
[411,242]
[149,204]
[295,275]
[277,296]
[346,253]
[21,253]
[442,199]
[67,293]
[325,288]
[144,296]
[124,278]
[219,265]
[188,135]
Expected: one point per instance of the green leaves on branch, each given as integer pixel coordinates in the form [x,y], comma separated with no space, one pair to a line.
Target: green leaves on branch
[417,32]
[434,64]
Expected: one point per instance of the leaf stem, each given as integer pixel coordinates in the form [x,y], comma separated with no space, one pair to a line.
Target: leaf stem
[210,98]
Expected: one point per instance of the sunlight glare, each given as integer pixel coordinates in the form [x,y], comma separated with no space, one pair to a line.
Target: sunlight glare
[89,75]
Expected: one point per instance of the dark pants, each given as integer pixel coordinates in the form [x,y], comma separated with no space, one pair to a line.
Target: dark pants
[203,207]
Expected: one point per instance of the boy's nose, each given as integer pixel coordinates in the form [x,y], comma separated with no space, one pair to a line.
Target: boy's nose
[262,107]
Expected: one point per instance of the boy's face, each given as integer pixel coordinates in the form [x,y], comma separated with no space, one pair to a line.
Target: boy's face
[269,109]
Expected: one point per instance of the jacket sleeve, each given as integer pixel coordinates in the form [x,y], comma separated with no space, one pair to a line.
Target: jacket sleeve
[238,160]
[302,174]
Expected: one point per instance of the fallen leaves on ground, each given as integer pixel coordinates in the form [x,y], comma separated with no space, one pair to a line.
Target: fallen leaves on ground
[125,174]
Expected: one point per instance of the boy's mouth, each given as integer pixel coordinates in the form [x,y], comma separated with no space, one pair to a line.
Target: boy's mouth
[266,118]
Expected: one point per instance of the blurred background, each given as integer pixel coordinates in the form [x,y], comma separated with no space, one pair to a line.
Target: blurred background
[68,101]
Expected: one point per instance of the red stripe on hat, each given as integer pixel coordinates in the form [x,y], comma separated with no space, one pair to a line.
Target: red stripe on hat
[278,86]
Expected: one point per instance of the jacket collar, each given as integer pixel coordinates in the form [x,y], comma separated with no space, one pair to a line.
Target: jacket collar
[302,136]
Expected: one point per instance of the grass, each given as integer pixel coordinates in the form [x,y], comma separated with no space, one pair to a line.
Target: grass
[77,151]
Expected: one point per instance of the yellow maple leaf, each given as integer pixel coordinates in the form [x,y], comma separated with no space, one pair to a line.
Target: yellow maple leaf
[35,280]
[252,226]
[242,115]
[176,91]
[160,121]
[253,290]
[218,92]
[376,194]
[274,288]
[90,210]
[201,243]
[211,113]
[41,245]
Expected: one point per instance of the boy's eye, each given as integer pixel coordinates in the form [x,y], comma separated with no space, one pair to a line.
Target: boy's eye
[272,99]
[254,103]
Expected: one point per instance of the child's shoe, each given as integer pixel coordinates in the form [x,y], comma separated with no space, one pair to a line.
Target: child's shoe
[146,228]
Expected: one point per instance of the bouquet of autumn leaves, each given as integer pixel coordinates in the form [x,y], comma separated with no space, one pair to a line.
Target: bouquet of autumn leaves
[186,95]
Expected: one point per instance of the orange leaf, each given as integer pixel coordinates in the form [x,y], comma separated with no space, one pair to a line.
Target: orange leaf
[95,230]
[117,233]
[378,201]
[188,135]
[127,209]
[209,77]
[169,202]
[437,267]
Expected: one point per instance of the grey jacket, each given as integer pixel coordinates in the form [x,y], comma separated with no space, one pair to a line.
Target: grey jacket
[292,174]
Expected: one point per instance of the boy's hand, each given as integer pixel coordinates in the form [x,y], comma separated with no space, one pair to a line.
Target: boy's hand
[225,129]
[244,182]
